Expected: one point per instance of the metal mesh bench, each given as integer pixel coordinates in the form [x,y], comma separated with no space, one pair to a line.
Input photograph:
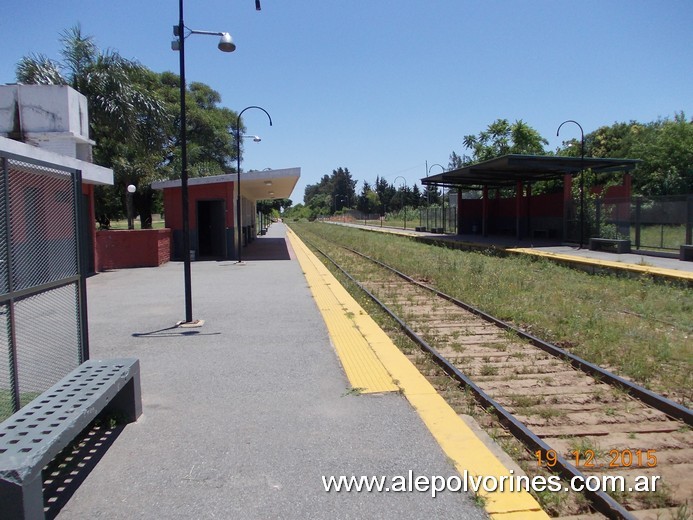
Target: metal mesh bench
[34,435]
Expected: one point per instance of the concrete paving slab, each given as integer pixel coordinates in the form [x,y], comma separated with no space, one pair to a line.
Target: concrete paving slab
[242,417]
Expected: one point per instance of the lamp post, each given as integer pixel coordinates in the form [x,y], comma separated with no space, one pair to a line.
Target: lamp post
[225,45]
[443,199]
[404,200]
[582,178]
[131,190]
[238,170]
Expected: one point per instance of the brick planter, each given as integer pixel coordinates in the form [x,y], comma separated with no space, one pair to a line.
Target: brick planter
[132,248]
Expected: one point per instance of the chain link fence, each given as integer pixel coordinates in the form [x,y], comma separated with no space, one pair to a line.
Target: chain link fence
[438,219]
[42,292]
[651,223]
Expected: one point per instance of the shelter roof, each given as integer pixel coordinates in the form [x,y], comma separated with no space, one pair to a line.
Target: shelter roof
[508,169]
[256,185]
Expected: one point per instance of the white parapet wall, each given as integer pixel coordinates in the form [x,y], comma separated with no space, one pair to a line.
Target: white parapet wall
[52,117]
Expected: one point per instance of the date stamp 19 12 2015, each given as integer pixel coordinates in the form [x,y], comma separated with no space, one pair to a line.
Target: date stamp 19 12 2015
[615,459]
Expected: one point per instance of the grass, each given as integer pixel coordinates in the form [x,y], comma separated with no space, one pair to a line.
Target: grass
[6,402]
[637,327]
[660,236]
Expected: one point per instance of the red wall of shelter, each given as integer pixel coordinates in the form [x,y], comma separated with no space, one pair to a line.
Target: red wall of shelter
[545,205]
[173,203]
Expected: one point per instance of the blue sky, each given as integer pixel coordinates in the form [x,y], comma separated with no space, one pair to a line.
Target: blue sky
[382,86]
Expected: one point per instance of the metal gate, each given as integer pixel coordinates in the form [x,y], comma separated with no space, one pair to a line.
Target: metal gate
[43,319]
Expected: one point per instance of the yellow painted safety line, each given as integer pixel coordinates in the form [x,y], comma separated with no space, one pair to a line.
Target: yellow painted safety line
[458,441]
[363,369]
[642,269]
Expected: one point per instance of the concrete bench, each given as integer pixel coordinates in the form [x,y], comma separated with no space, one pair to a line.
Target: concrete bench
[34,435]
[612,245]
[686,253]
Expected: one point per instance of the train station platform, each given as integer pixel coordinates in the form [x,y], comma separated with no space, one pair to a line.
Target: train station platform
[636,262]
[244,416]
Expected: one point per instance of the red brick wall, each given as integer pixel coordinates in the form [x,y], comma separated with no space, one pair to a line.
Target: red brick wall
[173,212]
[135,248]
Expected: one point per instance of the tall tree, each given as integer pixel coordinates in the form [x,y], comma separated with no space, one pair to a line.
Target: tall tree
[456,161]
[667,153]
[368,201]
[502,138]
[117,101]
[343,188]
[665,147]
[386,192]
[431,195]
[127,120]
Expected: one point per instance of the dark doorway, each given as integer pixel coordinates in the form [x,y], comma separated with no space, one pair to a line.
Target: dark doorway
[211,228]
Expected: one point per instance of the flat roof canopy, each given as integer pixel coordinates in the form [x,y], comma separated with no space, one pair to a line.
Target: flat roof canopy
[256,185]
[91,173]
[509,169]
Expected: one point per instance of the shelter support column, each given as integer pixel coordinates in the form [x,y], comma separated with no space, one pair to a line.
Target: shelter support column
[528,206]
[518,210]
[567,202]
[459,211]
[484,212]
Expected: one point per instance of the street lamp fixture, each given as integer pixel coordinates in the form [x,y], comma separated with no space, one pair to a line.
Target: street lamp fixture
[582,178]
[238,169]
[226,45]
[225,42]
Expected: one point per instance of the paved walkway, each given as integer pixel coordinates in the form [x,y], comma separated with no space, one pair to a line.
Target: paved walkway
[243,416]
[670,268]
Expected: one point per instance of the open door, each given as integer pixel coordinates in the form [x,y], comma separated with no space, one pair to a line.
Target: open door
[211,226]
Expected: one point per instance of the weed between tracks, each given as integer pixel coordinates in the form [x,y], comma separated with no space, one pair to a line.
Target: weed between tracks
[636,327]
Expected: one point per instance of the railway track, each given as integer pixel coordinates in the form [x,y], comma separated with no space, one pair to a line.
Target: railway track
[575,419]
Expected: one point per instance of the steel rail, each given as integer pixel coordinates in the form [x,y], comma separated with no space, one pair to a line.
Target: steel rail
[601,501]
[650,398]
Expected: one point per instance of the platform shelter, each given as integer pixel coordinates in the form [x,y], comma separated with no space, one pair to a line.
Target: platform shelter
[212,209]
[495,197]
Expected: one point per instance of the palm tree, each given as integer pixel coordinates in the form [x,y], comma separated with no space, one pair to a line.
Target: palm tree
[130,124]
[118,103]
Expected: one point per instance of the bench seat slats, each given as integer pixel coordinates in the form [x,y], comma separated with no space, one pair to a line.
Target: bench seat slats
[34,435]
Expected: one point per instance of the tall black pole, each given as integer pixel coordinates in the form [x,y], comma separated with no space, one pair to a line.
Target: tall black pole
[403,198]
[238,175]
[443,199]
[582,178]
[184,170]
